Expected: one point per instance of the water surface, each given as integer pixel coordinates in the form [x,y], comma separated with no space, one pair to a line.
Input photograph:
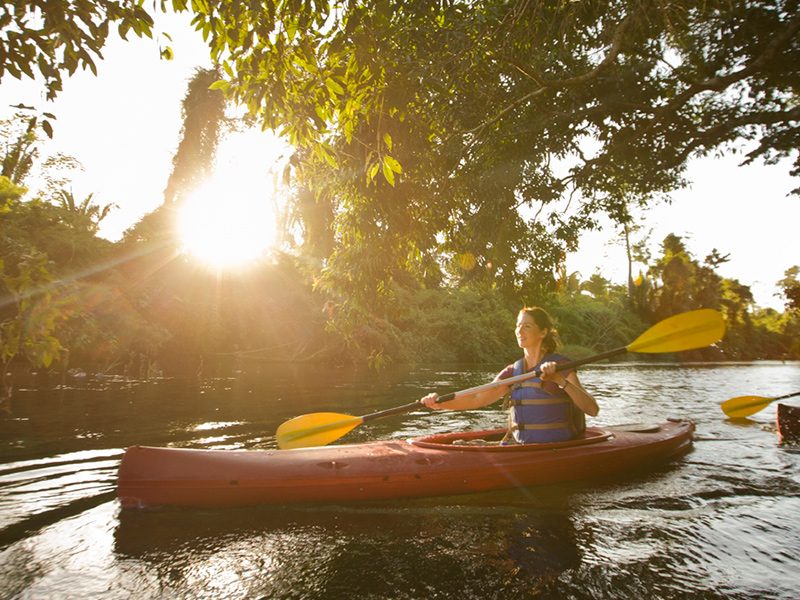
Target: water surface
[721,522]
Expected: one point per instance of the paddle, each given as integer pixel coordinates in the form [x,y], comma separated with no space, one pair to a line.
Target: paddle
[744,406]
[693,329]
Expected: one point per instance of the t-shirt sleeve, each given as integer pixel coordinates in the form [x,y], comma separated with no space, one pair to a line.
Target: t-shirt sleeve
[505,373]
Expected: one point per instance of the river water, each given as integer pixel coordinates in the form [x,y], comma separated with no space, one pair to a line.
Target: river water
[721,522]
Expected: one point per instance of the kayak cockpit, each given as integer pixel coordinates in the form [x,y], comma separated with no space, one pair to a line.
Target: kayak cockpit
[489,441]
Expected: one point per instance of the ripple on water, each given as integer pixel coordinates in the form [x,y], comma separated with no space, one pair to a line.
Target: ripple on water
[32,490]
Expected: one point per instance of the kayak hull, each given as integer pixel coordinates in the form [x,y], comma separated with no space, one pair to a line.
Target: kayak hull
[788,421]
[427,466]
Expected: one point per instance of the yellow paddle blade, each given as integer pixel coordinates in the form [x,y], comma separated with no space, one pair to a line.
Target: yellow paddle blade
[316,429]
[686,331]
[744,406]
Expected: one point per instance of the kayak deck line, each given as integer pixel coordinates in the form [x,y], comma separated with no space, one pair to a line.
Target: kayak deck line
[424,466]
[446,441]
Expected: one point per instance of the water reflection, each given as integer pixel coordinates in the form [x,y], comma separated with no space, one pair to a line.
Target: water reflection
[720,523]
[382,551]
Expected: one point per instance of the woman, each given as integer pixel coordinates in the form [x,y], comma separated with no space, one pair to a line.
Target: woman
[549,408]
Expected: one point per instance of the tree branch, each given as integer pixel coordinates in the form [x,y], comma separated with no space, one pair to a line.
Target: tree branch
[722,82]
[614,50]
[715,134]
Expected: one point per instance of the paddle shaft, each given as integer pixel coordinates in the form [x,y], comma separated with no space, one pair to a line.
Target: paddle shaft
[567,366]
[792,395]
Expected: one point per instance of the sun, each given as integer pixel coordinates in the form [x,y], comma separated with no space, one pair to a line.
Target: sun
[226,228]
[229,222]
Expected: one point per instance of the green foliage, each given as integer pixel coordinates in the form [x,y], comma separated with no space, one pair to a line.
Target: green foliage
[790,288]
[597,324]
[203,111]
[428,326]
[56,296]
[62,36]
[28,312]
[9,192]
[456,325]
[676,282]
[440,131]
[83,215]
[19,138]
[449,155]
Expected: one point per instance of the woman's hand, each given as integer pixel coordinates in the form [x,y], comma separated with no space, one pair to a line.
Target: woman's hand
[429,401]
[549,373]
[572,387]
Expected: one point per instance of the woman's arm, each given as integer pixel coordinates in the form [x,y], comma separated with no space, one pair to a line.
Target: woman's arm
[474,400]
[572,387]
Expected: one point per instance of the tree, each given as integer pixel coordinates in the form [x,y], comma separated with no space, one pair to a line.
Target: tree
[84,215]
[19,135]
[677,282]
[790,288]
[496,130]
[28,312]
[59,37]
[597,285]
[515,103]
[475,111]
[740,336]
[203,113]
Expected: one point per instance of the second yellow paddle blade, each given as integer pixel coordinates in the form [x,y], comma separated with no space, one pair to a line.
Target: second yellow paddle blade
[316,429]
[686,331]
[744,406]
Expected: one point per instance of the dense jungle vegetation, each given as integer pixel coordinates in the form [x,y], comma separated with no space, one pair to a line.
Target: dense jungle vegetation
[435,145]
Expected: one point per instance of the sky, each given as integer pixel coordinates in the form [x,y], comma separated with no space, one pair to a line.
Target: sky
[123,125]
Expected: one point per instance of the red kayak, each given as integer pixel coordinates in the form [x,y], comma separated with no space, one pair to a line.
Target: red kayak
[788,420]
[436,465]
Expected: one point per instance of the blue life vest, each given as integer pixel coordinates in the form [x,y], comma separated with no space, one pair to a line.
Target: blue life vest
[540,414]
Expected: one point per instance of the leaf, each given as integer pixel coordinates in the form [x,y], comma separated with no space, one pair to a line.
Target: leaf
[387,139]
[388,174]
[326,155]
[220,84]
[348,130]
[48,129]
[395,166]
[166,53]
[334,87]
[466,260]
[372,171]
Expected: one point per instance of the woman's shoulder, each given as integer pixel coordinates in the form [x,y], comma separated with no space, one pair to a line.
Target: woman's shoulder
[507,372]
[555,357]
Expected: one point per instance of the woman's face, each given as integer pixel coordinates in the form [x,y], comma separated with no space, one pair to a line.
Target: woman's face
[529,334]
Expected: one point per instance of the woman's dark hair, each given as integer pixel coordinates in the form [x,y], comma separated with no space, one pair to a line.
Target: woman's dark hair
[540,316]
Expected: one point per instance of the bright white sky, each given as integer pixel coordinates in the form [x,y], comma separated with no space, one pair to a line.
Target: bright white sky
[124,125]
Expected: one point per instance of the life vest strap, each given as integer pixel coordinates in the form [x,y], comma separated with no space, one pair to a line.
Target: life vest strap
[539,426]
[528,384]
[538,401]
